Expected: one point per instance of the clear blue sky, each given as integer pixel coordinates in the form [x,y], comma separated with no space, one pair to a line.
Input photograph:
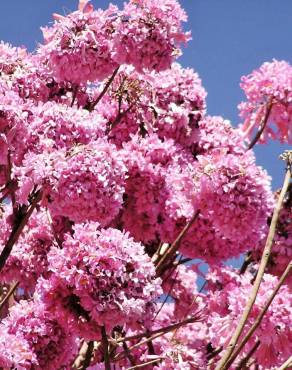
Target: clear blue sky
[230,39]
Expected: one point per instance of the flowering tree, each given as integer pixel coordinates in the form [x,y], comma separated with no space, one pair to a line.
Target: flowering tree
[113,178]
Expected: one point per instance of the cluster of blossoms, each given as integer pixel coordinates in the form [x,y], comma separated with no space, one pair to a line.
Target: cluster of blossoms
[32,338]
[112,178]
[228,294]
[269,101]
[88,45]
[108,273]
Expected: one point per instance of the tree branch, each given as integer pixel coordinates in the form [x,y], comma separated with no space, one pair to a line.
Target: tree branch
[146,363]
[286,364]
[243,363]
[105,345]
[263,125]
[8,295]
[153,335]
[17,230]
[170,252]
[106,87]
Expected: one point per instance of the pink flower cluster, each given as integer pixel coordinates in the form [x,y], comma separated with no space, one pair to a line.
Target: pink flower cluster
[106,155]
[226,304]
[179,102]
[83,184]
[32,339]
[154,204]
[110,275]
[88,45]
[235,195]
[270,85]
[149,34]
[217,134]
[56,126]
[10,59]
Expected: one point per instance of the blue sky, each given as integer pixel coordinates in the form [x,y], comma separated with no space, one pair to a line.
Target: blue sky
[230,39]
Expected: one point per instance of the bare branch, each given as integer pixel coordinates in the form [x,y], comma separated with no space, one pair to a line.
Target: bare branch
[243,363]
[158,359]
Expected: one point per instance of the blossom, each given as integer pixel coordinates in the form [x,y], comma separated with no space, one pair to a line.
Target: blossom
[38,339]
[227,304]
[78,47]
[13,127]
[216,134]
[10,59]
[235,195]
[270,85]
[178,104]
[159,190]
[57,126]
[85,183]
[147,36]
[110,275]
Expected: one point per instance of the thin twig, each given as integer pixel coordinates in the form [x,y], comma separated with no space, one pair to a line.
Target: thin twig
[154,334]
[264,261]
[106,87]
[146,363]
[243,363]
[246,263]
[163,330]
[17,230]
[51,223]
[9,179]
[260,316]
[286,364]
[105,344]
[170,252]
[8,295]
[263,125]
[170,288]
[213,354]
[119,117]
[128,354]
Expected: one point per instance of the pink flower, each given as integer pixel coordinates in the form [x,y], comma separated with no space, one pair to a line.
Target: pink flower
[55,126]
[34,339]
[78,47]
[108,274]
[270,84]
[147,36]
[83,184]
[226,305]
